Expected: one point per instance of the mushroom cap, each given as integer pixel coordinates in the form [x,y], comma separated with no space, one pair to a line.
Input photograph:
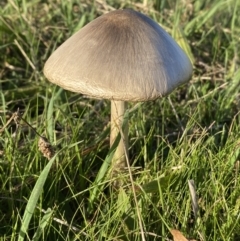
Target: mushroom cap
[121,55]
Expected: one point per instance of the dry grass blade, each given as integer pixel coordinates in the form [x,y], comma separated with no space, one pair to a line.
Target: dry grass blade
[16,116]
[24,54]
[194,198]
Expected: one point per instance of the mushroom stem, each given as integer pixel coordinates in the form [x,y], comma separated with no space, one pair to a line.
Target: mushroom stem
[118,109]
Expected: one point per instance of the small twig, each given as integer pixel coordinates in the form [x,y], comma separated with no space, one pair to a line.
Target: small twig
[33,129]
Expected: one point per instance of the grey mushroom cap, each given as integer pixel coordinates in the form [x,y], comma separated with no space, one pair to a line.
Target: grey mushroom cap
[122,55]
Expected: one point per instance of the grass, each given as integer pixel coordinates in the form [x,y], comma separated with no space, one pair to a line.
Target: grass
[191,135]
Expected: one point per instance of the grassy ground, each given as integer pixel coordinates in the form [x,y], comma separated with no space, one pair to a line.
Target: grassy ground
[194,134]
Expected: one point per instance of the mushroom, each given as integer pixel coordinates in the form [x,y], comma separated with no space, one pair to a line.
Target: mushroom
[122,56]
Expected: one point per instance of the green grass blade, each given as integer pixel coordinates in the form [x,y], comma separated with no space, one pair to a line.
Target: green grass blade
[163,182]
[104,168]
[204,16]
[32,202]
[50,111]
[43,223]
[102,173]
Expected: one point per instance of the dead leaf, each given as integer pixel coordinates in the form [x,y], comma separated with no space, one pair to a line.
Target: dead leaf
[178,236]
